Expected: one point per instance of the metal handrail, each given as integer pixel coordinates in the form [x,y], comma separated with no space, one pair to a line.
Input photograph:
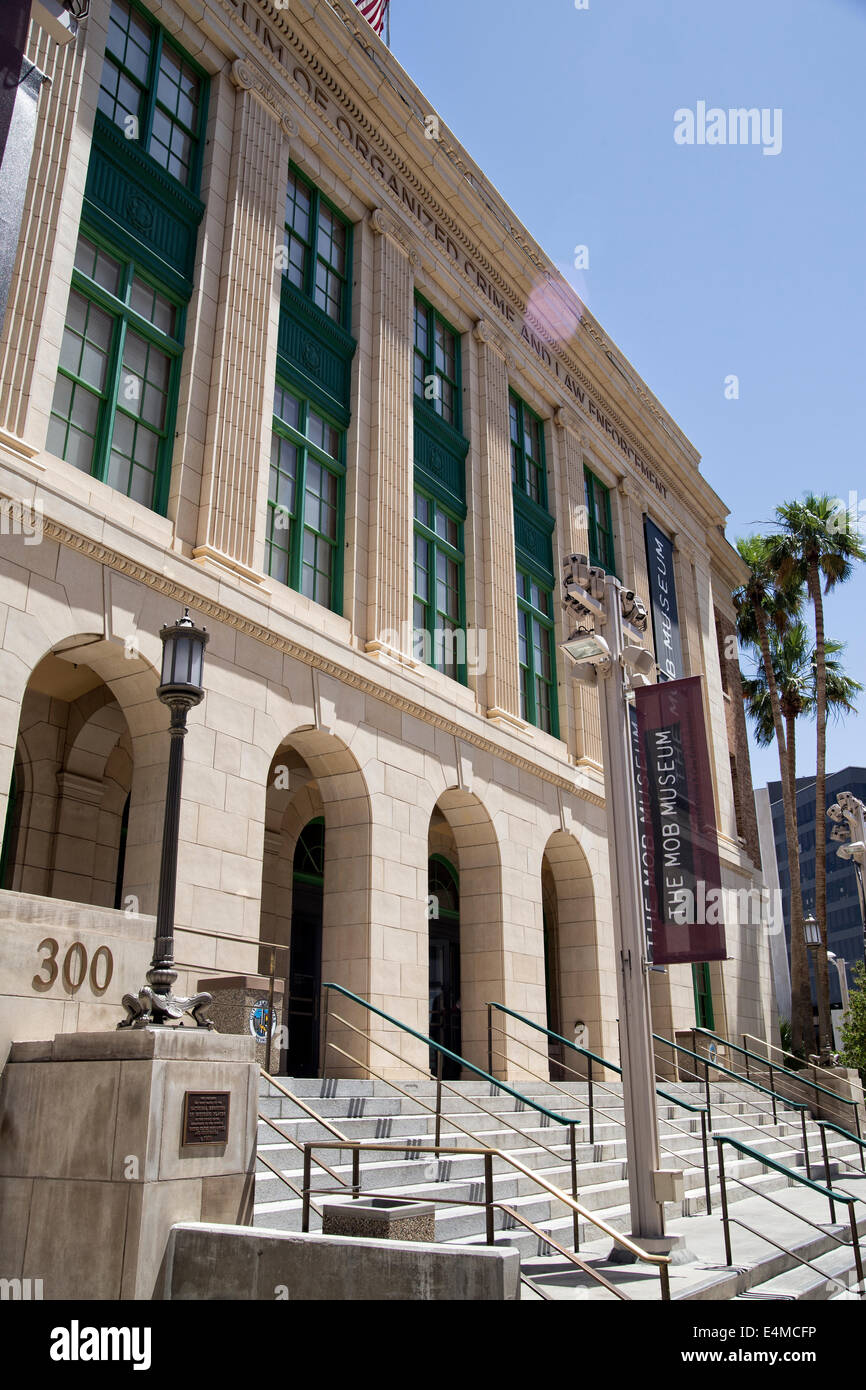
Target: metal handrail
[847,1198]
[358,1146]
[792,1254]
[846,1134]
[593,1056]
[699,1110]
[813,1085]
[771,1047]
[455,1057]
[710,1062]
[576,1210]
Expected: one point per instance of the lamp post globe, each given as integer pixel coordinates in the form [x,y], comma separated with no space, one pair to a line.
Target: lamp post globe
[181,688]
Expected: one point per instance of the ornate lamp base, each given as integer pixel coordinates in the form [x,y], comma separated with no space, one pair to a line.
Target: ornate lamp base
[148,1008]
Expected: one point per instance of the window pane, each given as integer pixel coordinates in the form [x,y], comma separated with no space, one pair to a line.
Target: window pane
[287,407]
[298,207]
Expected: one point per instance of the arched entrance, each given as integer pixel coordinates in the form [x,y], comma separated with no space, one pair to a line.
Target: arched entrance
[445,1017]
[305,956]
[572,953]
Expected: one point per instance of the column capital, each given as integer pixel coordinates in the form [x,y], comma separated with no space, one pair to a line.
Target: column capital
[565,419]
[485,333]
[383,225]
[684,548]
[628,489]
[248,78]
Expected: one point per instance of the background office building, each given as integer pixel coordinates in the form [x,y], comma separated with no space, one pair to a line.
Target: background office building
[274,353]
[844,917]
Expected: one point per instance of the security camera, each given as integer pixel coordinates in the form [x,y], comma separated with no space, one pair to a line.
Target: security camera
[638,659]
[575,570]
[634,609]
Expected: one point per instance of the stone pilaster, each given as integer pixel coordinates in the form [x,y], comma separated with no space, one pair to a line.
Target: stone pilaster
[389,627]
[687,603]
[573,526]
[235,483]
[717,731]
[36,309]
[497,528]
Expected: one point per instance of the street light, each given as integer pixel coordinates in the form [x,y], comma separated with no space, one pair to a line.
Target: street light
[615,661]
[181,689]
[812,932]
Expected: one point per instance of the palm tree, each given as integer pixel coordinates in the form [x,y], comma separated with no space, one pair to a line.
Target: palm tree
[763,606]
[817,541]
[795,669]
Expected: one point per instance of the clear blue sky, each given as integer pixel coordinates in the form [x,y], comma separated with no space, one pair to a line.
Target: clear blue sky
[706,260]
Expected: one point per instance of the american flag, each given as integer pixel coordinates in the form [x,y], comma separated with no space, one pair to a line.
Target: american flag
[374,12]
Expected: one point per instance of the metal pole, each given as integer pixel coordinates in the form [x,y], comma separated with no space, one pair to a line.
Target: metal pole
[574,1216]
[805,1143]
[773,1090]
[827,1178]
[746,1052]
[638,1071]
[855,1241]
[356,1173]
[326,1000]
[305,1207]
[589,1093]
[708,1093]
[728,1257]
[488,1197]
[162,973]
[438,1098]
[706,1162]
[269,1027]
[489,1039]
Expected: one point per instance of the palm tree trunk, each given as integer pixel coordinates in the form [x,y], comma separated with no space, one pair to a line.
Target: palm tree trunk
[821,965]
[802,1027]
[801,995]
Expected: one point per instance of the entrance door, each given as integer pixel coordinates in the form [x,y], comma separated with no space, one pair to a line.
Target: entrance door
[445,1019]
[305,964]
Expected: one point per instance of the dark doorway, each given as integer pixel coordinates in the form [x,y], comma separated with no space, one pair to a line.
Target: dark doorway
[445,1022]
[305,963]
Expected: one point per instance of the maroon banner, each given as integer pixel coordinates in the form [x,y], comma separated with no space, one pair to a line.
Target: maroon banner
[682,854]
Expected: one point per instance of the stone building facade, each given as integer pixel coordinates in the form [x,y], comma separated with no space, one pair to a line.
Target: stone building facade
[276,350]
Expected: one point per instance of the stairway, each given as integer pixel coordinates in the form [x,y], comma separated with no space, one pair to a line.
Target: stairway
[372,1110]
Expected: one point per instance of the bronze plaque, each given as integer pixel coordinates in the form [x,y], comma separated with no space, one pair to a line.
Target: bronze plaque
[205,1117]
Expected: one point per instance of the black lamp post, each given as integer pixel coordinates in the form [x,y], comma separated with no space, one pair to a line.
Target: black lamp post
[181,689]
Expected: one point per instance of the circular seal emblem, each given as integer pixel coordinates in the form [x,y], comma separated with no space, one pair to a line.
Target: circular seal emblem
[140,212]
[312,357]
[259,1021]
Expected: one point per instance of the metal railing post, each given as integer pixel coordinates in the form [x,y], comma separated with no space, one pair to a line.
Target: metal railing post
[707,1091]
[438,1098]
[706,1162]
[574,1216]
[327,1000]
[305,1207]
[488,1197]
[270,1022]
[805,1143]
[589,1094]
[746,1051]
[827,1178]
[489,1039]
[665,1279]
[773,1090]
[855,1241]
[721,1158]
[356,1173]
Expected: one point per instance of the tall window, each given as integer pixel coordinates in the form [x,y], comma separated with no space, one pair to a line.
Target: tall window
[527,451]
[535,632]
[437,363]
[600,523]
[316,252]
[305,500]
[112,412]
[153,92]
[439,634]
[704,1016]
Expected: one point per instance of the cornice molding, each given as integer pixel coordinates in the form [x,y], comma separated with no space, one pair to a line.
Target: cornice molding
[221,613]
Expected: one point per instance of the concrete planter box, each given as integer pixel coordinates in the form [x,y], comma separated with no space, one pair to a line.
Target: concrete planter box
[382,1218]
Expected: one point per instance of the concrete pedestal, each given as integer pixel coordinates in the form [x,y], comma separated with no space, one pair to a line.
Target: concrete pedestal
[381,1218]
[94,1170]
[234,998]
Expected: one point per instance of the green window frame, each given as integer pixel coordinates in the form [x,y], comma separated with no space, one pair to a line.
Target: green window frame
[318,248]
[704,1016]
[154,92]
[528,470]
[601,549]
[115,397]
[306,500]
[436,363]
[439,606]
[537,653]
